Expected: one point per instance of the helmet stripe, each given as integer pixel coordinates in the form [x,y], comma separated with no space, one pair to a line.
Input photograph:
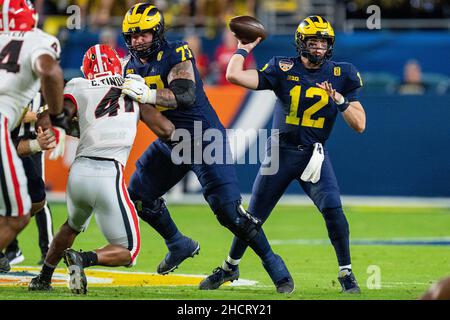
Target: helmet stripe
[99,58]
[5,15]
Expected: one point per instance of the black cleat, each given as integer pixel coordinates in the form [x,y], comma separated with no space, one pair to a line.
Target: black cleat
[74,262]
[348,282]
[285,286]
[218,277]
[39,284]
[174,258]
[4,264]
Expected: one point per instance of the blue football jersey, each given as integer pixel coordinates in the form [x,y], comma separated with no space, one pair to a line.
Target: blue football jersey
[304,113]
[155,74]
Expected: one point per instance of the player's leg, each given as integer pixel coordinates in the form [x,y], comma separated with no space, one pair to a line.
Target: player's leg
[221,191]
[155,174]
[326,196]
[44,220]
[15,202]
[118,221]
[267,190]
[81,193]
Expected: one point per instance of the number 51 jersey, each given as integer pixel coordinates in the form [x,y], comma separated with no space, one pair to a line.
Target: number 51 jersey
[18,81]
[107,119]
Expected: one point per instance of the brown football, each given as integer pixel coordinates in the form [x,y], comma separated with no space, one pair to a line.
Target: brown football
[43,120]
[247,29]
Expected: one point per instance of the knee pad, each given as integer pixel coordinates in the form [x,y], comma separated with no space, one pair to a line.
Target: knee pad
[234,217]
[151,210]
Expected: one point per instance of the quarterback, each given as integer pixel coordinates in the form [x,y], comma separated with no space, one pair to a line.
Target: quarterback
[311,90]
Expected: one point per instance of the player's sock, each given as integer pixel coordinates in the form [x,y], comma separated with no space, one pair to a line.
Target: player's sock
[338,232]
[47,271]
[174,241]
[90,258]
[237,249]
[261,246]
[159,218]
[348,267]
[45,229]
[230,264]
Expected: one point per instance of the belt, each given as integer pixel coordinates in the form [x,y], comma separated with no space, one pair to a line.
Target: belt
[98,158]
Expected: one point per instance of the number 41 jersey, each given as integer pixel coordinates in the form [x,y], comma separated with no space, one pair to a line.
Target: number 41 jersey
[304,113]
[107,119]
[18,81]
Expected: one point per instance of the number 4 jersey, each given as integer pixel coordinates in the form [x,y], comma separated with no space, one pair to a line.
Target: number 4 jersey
[18,80]
[107,119]
[304,113]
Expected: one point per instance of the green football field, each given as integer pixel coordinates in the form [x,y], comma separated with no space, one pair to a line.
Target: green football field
[407,248]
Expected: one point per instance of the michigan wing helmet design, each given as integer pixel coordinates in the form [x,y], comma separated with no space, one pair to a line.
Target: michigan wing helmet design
[314,27]
[144,17]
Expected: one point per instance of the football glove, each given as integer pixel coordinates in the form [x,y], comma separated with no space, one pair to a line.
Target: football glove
[60,120]
[136,88]
[58,151]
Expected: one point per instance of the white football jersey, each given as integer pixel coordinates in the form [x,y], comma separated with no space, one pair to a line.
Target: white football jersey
[108,120]
[19,83]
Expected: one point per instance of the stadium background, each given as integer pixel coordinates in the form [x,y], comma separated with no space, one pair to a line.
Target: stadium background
[404,150]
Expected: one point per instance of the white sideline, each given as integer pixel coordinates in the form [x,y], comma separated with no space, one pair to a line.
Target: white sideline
[370,201]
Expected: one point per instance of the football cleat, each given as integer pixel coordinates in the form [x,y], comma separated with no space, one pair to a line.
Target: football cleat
[78,280]
[4,264]
[348,282]
[280,275]
[218,277]
[14,256]
[39,284]
[174,258]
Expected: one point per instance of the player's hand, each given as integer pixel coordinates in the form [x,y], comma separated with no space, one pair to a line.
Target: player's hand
[249,46]
[60,140]
[336,96]
[136,88]
[46,139]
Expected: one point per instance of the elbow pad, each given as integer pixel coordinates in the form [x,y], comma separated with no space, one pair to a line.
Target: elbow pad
[184,91]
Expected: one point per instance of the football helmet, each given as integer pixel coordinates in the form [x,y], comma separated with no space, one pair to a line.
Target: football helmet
[314,27]
[101,60]
[17,15]
[144,17]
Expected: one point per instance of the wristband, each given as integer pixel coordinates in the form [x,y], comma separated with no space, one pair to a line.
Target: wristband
[342,104]
[242,52]
[34,145]
[151,99]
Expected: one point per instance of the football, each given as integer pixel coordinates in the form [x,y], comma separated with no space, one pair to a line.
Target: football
[247,29]
[43,120]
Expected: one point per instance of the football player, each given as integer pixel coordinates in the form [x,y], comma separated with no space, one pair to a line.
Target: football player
[311,90]
[30,146]
[96,185]
[162,72]
[28,61]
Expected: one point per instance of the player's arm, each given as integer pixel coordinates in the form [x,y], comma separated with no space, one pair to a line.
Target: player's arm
[156,122]
[353,112]
[52,82]
[45,140]
[180,94]
[235,70]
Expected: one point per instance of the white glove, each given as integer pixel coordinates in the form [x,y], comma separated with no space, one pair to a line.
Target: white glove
[136,88]
[312,170]
[58,151]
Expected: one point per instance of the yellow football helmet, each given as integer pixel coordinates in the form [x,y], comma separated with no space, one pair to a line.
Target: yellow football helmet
[144,17]
[314,27]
